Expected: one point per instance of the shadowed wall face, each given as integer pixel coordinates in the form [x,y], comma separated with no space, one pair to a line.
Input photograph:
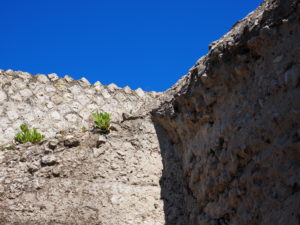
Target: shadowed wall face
[173,191]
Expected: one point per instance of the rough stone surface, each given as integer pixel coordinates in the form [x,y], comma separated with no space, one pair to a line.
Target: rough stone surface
[60,104]
[232,125]
[114,183]
[221,147]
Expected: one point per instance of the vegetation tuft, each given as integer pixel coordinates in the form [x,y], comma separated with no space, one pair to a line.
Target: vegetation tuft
[84,129]
[102,122]
[10,147]
[28,135]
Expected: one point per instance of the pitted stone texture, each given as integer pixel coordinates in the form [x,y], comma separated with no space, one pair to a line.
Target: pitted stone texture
[233,124]
[78,180]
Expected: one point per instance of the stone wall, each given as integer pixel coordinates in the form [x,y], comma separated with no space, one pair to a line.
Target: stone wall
[222,146]
[233,126]
[78,176]
[85,178]
[52,104]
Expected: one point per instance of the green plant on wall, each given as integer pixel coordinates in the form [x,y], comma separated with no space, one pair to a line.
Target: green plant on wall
[28,135]
[10,147]
[84,129]
[102,122]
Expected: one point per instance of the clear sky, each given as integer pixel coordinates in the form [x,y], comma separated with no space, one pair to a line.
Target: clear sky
[139,43]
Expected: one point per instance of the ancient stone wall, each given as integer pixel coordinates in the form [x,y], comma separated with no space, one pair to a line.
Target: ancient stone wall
[233,126]
[52,104]
[85,178]
[78,176]
[222,146]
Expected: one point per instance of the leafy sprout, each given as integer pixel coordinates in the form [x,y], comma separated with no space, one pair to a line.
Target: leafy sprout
[28,135]
[10,147]
[102,122]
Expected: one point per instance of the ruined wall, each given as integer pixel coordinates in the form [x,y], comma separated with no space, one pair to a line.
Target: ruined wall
[85,178]
[222,146]
[77,176]
[52,104]
[233,126]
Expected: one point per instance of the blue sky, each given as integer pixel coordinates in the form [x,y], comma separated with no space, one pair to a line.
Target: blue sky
[139,43]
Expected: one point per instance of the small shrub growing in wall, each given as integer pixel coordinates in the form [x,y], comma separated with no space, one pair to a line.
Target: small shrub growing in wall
[28,135]
[102,122]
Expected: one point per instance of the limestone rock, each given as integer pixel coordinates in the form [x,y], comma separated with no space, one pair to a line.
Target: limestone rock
[53,144]
[53,76]
[49,160]
[71,142]
[84,82]
[101,140]
[42,78]
[127,90]
[3,96]
[112,87]
[140,92]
